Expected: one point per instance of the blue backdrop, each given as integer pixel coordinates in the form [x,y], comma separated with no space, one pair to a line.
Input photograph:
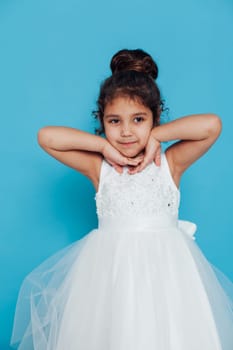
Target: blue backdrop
[54,55]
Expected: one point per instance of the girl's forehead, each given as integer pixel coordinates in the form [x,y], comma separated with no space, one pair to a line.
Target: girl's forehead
[125,103]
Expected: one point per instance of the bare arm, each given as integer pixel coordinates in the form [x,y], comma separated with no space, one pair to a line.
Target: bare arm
[63,138]
[196,133]
[80,150]
[191,127]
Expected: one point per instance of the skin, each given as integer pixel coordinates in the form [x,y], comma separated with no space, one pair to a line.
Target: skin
[131,140]
[128,125]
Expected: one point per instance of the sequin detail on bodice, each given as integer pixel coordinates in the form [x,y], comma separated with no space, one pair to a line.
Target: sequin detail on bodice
[152,192]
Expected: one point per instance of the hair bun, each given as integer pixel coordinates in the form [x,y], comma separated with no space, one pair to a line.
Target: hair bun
[137,60]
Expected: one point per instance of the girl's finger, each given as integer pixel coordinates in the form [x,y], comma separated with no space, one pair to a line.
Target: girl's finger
[133,170]
[144,164]
[132,161]
[118,168]
[158,159]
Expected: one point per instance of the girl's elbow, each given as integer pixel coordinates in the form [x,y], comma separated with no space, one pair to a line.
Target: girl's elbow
[215,126]
[43,136]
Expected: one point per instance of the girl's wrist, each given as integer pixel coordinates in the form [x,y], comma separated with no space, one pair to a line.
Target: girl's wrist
[155,135]
[103,143]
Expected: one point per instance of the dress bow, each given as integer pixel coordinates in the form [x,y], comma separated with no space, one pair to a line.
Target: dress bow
[187,227]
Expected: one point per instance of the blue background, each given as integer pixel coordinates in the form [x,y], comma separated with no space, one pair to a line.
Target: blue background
[54,55]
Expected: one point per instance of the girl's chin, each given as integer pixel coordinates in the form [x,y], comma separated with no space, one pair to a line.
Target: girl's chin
[131,154]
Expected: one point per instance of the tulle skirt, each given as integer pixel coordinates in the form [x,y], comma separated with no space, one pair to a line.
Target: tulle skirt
[126,290]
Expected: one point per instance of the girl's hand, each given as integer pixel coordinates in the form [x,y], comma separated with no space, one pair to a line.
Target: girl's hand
[117,160]
[152,153]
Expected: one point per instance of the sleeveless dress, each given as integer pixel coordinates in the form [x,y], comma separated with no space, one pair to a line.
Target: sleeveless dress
[137,282]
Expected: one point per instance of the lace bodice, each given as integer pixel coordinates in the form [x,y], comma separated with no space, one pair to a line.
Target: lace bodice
[151,192]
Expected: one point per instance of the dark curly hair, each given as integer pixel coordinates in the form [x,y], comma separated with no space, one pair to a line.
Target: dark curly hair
[133,75]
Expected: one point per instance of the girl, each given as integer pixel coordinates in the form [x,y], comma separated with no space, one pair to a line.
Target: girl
[138,281]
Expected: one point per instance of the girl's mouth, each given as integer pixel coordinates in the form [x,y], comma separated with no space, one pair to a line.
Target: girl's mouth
[125,144]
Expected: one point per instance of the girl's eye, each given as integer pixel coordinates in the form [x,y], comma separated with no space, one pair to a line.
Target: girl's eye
[138,119]
[113,121]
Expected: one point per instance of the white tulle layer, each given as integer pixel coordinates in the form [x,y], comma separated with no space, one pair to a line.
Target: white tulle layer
[126,290]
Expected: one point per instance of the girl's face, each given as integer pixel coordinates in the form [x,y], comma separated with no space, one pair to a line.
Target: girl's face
[127,125]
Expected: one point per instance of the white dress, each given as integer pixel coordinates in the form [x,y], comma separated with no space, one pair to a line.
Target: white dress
[137,282]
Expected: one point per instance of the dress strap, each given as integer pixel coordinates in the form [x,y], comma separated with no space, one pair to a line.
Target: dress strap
[168,171]
[104,170]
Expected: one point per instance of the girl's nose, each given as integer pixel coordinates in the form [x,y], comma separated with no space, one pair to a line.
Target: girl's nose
[126,131]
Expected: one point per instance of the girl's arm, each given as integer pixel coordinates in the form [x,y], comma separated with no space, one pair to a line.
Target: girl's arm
[196,133]
[81,150]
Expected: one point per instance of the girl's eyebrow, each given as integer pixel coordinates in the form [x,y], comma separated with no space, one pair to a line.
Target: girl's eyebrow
[117,115]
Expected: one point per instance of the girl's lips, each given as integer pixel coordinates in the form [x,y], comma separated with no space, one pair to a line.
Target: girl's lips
[128,143]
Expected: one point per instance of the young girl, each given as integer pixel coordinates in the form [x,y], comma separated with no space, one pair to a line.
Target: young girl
[138,281]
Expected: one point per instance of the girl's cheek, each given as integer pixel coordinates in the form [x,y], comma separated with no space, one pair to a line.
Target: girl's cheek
[110,134]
